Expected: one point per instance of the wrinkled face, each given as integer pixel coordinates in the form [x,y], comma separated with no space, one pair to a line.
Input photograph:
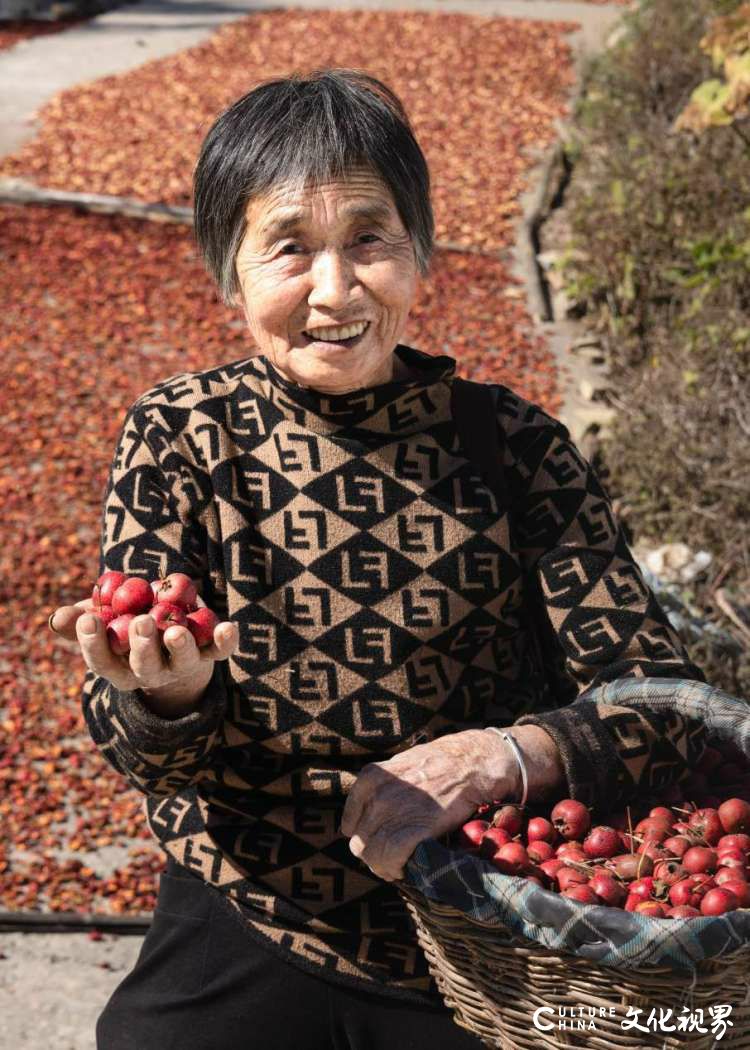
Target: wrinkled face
[328,277]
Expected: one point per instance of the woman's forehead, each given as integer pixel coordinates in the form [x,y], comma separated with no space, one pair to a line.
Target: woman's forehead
[343,198]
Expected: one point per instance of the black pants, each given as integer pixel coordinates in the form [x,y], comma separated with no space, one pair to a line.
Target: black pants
[202,983]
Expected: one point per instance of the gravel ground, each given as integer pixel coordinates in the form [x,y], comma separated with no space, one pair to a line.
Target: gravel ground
[53,986]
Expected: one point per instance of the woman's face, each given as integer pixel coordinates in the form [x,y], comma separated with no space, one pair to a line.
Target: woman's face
[316,261]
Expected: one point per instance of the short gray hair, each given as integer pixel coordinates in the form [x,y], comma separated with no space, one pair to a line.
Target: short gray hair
[302,131]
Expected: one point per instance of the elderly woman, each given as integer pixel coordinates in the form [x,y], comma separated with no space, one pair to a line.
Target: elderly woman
[379,615]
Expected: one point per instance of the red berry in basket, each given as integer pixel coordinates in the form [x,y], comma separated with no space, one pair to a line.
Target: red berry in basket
[471,833]
[741,889]
[699,859]
[656,853]
[740,842]
[632,901]
[167,615]
[663,814]
[118,634]
[105,586]
[706,822]
[734,815]
[602,841]
[677,844]
[571,819]
[686,892]
[539,851]
[726,874]
[683,911]
[608,890]
[581,893]
[551,868]
[574,853]
[511,859]
[493,840]
[668,872]
[653,830]
[643,887]
[134,596]
[540,830]
[177,588]
[509,818]
[654,909]
[201,625]
[631,866]
[718,901]
[732,858]
[570,877]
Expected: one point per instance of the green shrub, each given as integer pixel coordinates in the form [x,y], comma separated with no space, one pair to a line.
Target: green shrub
[659,260]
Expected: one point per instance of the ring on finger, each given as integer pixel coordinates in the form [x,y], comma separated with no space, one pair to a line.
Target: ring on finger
[49,623]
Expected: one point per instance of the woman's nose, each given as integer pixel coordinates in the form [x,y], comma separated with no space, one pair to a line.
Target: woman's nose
[331,280]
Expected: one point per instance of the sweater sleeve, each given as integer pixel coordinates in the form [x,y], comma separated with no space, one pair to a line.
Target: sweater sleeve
[150,528]
[597,622]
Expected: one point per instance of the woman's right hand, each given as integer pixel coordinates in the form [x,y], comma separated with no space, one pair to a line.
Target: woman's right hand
[173,679]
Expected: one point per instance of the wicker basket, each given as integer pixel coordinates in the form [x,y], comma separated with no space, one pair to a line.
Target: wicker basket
[494,982]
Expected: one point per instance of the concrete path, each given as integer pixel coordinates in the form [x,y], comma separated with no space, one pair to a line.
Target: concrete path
[120,40]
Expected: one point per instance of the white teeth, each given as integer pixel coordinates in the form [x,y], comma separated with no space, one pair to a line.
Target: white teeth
[336,333]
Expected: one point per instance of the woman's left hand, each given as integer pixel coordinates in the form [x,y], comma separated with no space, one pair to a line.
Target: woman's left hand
[423,793]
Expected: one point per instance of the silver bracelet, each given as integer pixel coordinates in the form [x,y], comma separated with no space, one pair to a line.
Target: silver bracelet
[510,741]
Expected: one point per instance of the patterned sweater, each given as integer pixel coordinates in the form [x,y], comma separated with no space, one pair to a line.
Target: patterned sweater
[382,600]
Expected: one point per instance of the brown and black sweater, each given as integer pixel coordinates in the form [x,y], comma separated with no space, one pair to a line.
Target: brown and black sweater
[380,601]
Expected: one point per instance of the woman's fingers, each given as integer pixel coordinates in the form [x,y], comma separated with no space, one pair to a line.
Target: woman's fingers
[99,658]
[63,620]
[226,640]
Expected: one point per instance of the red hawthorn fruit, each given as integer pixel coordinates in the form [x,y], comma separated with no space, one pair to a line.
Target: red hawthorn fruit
[731,858]
[652,850]
[470,834]
[571,819]
[601,841]
[632,901]
[663,814]
[165,615]
[631,866]
[706,822]
[551,868]
[683,911]
[570,877]
[118,634]
[540,830]
[539,851]
[734,815]
[492,840]
[202,624]
[177,588]
[653,830]
[133,597]
[669,872]
[511,859]
[700,859]
[608,890]
[509,818]
[728,874]
[106,585]
[718,901]
[643,887]
[582,893]
[654,909]
[740,889]
[740,842]
[677,845]
[105,614]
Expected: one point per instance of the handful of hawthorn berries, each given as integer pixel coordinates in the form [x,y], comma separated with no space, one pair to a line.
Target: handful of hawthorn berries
[684,859]
[172,601]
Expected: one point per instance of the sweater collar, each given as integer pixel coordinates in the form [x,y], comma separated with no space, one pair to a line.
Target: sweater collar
[403,406]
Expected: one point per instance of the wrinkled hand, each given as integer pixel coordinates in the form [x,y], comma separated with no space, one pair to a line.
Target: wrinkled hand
[423,793]
[179,672]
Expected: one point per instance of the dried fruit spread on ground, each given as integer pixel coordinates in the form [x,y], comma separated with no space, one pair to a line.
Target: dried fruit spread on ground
[97,309]
[14,30]
[479,92]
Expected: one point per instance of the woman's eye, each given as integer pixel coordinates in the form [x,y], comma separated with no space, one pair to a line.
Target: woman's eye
[368,238]
[289,249]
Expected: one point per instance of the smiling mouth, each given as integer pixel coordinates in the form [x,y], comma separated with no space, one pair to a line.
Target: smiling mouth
[326,336]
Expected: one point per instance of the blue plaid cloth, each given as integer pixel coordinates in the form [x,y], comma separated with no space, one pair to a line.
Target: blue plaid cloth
[608,936]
